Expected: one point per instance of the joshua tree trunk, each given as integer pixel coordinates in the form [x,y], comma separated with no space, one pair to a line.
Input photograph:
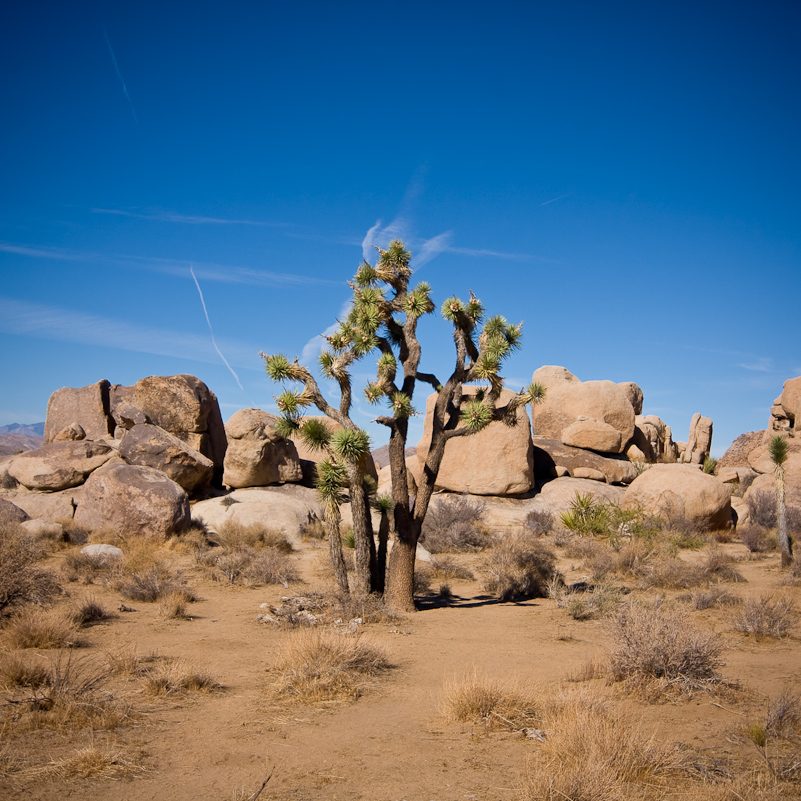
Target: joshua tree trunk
[332,521]
[363,541]
[785,546]
[381,556]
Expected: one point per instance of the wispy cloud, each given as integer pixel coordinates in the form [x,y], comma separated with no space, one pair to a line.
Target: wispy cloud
[190,219]
[51,322]
[211,330]
[431,248]
[119,75]
[761,365]
[495,254]
[207,271]
[554,199]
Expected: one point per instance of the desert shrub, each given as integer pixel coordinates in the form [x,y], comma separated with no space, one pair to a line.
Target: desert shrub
[599,600]
[518,568]
[713,597]
[455,526]
[659,644]
[600,564]
[762,504]
[177,677]
[478,698]
[445,567]
[20,671]
[21,580]
[767,617]
[588,753]
[314,530]
[316,665]
[710,465]
[586,515]
[86,568]
[423,577]
[272,567]
[233,535]
[719,566]
[231,565]
[172,606]
[757,538]
[41,628]
[89,611]
[152,585]
[783,715]
[670,573]
[74,534]
[349,539]
[538,522]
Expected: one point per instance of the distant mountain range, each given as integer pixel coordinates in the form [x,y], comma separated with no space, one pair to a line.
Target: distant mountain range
[30,430]
[17,437]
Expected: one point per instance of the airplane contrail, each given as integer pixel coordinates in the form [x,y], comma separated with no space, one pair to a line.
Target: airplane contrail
[119,75]
[213,341]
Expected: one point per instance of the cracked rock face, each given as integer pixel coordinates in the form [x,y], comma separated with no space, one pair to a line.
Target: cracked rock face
[58,465]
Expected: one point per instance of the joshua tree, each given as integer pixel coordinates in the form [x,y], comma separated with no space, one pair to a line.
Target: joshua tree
[777,448]
[383,320]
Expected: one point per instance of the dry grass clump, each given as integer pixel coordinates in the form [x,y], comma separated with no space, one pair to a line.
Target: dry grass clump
[152,585]
[248,566]
[657,645]
[478,698]
[589,754]
[586,603]
[177,677]
[519,568]
[317,665]
[712,598]
[21,580]
[172,606]
[455,526]
[87,569]
[771,616]
[783,716]
[88,612]
[538,522]
[445,567]
[67,692]
[233,535]
[272,567]
[92,762]
[41,628]
[757,538]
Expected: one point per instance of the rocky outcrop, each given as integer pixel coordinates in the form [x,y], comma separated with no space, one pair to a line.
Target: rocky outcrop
[151,446]
[550,455]
[760,461]
[567,400]
[738,451]
[652,441]
[786,410]
[87,407]
[634,394]
[766,481]
[58,465]
[186,408]
[288,508]
[256,455]
[592,435]
[495,461]
[72,433]
[133,501]
[681,492]
[699,442]
[51,506]
[11,513]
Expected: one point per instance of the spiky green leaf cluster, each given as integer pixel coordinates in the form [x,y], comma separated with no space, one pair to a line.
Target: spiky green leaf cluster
[778,450]
[535,392]
[315,434]
[350,445]
[418,301]
[383,504]
[474,309]
[290,403]
[285,427]
[395,256]
[374,391]
[332,478]
[401,404]
[475,415]
[452,309]
[327,361]
[279,368]
[366,275]
[387,365]
[487,366]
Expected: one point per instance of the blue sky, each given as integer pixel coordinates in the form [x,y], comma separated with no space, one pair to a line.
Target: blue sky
[621,176]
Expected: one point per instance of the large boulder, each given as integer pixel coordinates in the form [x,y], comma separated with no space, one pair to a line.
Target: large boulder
[551,454]
[152,446]
[309,457]
[287,507]
[786,410]
[652,441]
[760,461]
[133,501]
[11,513]
[592,435]
[50,506]
[185,407]
[58,465]
[567,400]
[256,455]
[495,461]
[738,452]
[699,442]
[681,492]
[87,407]
[558,495]
[634,394]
